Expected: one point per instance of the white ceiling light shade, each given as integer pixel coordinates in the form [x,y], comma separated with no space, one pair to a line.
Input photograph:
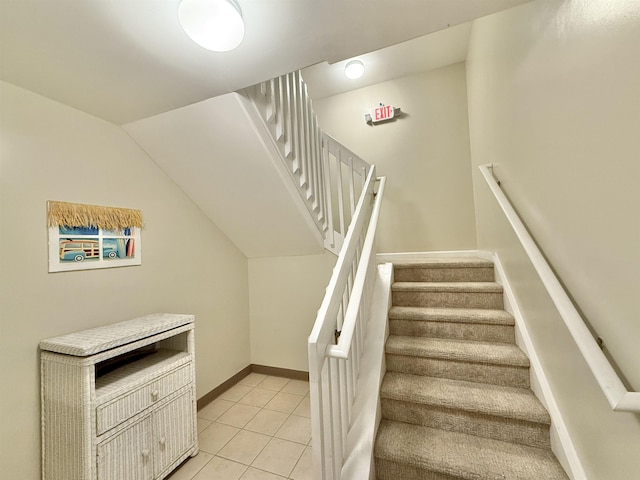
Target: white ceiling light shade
[354,69]
[216,25]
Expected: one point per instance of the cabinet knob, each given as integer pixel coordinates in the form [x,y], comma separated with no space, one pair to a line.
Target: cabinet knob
[163,441]
[145,453]
[154,395]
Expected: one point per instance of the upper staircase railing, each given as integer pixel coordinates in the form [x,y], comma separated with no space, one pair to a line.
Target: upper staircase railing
[328,176]
[613,387]
[343,196]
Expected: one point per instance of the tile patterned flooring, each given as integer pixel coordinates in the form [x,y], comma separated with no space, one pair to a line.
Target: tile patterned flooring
[259,429]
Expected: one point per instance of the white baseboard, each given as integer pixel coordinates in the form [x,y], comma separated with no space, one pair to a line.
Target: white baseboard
[561,442]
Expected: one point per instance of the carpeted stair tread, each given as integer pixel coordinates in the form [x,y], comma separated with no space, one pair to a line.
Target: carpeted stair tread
[405,451]
[453,315]
[445,270]
[485,399]
[457,350]
[487,295]
[444,262]
[479,324]
[447,287]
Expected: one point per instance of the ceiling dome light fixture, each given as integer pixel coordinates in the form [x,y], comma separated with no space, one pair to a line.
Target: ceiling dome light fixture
[354,69]
[216,25]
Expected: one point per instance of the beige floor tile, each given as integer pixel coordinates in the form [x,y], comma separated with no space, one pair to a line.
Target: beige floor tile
[235,393]
[274,383]
[189,468]
[303,469]
[296,429]
[266,421]
[284,402]
[279,456]
[214,409]
[257,430]
[221,469]
[255,474]
[238,415]
[258,397]
[253,379]
[304,408]
[244,447]
[202,424]
[298,387]
[215,436]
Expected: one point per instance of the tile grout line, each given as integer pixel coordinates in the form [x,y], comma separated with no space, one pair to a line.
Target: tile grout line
[289,415]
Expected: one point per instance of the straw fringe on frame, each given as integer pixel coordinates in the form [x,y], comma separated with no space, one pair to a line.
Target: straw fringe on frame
[80,215]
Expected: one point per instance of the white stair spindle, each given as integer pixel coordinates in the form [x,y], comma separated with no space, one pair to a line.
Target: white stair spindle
[279,109]
[270,109]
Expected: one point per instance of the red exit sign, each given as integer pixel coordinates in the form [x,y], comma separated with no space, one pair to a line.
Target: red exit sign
[381,113]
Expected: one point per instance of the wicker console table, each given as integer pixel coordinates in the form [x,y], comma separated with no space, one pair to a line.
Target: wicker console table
[118,401]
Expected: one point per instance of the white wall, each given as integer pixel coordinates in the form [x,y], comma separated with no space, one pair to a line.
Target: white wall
[286,293]
[554,92]
[428,200]
[425,156]
[53,152]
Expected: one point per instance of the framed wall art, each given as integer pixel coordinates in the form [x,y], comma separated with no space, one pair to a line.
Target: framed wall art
[85,237]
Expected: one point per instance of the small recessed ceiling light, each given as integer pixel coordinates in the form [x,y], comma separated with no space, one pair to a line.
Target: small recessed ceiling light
[354,69]
[213,24]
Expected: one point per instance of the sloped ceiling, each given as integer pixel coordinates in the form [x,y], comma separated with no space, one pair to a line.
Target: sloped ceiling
[214,153]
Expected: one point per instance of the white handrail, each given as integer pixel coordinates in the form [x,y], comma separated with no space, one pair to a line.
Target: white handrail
[343,348]
[342,267]
[614,390]
[334,369]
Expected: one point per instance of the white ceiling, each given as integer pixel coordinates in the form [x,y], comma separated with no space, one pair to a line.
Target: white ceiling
[421,54]
[124,60]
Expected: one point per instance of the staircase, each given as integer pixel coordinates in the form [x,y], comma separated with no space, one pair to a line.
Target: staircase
[456,402]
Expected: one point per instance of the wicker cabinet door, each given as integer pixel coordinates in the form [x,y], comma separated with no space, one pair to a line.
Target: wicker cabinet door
[173,431]
[127,455]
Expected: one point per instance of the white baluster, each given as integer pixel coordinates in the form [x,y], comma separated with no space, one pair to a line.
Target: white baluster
[270,108]
[279,109]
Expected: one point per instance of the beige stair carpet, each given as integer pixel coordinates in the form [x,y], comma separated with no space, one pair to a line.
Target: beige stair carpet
[456,402]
